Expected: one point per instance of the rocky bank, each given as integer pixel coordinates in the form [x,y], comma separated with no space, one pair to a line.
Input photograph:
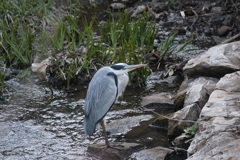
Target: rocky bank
[209,97]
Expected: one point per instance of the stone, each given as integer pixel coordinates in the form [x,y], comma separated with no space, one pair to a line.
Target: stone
[156,78]
[181,141]
[218,134]
[122,126]
[157,153]
[158,6]
[216,139]
[228,20]
[140,9]
[208,83]
[230,82]
[222,103]
[216,9]
[179,100]
[224,30]
[117,6]
[120,150]
[216,62]
[196,94]
[158,101]
[183,119]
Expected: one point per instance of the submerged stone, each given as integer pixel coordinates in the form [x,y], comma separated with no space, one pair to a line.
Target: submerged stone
[119,150]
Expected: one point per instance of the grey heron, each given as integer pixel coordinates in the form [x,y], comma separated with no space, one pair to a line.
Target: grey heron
[106,86]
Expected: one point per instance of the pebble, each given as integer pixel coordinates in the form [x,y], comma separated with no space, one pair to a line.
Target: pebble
[224,30]
[117,6]
[216,10]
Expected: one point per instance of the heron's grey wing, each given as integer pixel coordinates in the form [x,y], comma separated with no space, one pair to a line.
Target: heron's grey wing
[101,96]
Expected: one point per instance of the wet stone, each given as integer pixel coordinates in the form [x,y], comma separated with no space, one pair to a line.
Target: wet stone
[224,30]
[156,153]
[120,150]
[216,10]
[122,126]
[117,6]
[160,101]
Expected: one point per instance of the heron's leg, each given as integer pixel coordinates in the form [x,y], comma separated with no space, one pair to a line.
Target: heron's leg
[105,133]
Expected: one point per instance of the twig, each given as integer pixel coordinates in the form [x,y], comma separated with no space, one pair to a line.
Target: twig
[199,121]
[231,39]
[166,117]
[178,149]
[195,15]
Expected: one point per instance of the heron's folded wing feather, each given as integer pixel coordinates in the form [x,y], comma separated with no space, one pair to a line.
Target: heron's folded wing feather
[101,97]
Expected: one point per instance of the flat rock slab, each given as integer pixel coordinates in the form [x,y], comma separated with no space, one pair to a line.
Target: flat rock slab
[122,126]
[222,104]
[120,150]
[159,101]
[216,62]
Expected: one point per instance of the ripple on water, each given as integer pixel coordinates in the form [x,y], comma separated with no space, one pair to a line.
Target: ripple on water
[37,127]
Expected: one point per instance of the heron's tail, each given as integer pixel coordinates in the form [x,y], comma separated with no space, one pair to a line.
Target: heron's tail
[89,126]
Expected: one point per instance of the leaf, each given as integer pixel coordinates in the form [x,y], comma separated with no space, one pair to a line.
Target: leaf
[170,72]
[40,68]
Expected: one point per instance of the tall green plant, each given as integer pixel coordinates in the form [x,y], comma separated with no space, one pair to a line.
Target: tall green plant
[2,75]
[17,46]
[129,39]
[167,48]
[20,21]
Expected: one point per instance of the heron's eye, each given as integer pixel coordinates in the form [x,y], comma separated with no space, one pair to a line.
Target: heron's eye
[117,67]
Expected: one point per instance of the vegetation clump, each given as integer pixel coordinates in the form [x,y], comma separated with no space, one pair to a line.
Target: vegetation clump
[74,47]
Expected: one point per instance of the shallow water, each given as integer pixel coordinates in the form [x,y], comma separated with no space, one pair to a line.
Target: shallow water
[35,126]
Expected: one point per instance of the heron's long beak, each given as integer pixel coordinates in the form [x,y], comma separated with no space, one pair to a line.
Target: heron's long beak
[132,67]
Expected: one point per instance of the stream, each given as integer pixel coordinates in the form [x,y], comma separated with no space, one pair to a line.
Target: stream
[34,125]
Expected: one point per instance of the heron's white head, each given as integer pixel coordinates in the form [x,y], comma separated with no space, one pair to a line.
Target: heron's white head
[122,68]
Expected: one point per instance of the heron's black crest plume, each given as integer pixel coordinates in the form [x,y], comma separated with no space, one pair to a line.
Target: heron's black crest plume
[117,67]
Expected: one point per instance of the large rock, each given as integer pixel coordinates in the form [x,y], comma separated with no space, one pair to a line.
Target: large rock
[222,103]
[206,85]
[216,139]
[192,96]
[122,126]
[218,133]
[196,94]
[183,119]
[230,82]
[216,62]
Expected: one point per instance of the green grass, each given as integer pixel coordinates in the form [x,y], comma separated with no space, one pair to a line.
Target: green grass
[121,40]
[2,76]
[21,21]
[168,49]
[190,132]
[77,46]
